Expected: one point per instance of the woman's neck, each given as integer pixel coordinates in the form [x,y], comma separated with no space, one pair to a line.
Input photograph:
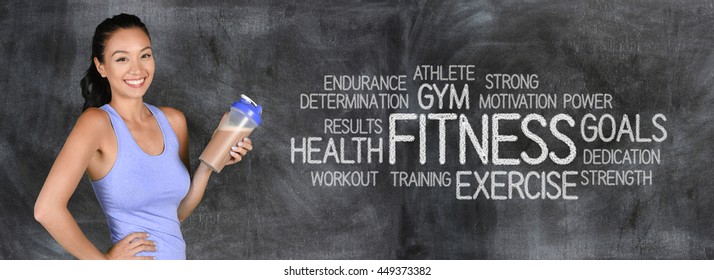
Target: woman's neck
[131,110]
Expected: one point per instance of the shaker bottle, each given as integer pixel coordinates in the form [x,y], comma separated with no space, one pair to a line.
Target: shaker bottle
[242,119]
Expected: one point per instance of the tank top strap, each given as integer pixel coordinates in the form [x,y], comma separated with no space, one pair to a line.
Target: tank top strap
[121,131]
[170,137]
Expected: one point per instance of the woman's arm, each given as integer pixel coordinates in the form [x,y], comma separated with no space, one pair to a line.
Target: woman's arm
[71,163]
[195,192]
[51,206]
[199,180]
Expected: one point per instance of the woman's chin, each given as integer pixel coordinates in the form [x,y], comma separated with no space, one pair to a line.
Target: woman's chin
[131,92]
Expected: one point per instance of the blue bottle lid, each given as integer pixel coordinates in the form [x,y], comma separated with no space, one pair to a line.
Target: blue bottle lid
[250,108]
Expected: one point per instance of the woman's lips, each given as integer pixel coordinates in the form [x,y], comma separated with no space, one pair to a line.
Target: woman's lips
[135,83]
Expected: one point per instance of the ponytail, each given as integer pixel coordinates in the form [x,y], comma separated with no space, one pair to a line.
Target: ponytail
[95,88]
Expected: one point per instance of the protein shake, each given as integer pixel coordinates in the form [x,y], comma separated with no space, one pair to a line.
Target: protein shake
[243,118]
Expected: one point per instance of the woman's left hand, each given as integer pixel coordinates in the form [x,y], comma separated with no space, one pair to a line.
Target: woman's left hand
[239,150]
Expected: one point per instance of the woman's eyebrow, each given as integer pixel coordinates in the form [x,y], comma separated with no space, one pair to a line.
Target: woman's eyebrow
[116,52]
[120,51]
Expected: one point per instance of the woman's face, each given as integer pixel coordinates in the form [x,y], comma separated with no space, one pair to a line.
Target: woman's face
[128,63]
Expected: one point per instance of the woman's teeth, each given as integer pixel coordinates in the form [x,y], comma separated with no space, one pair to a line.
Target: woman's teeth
[135,82]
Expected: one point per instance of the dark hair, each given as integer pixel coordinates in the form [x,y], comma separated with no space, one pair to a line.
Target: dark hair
[95,88]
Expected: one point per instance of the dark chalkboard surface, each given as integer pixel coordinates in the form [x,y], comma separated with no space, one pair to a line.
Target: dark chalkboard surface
[651,57]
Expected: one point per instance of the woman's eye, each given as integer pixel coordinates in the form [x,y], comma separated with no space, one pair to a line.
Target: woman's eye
[146,55]
[121,59]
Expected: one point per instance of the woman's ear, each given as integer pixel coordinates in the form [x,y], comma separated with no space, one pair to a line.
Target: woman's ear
[100,67]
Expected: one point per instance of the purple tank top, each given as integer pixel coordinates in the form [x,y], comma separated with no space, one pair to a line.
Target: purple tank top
[141,193]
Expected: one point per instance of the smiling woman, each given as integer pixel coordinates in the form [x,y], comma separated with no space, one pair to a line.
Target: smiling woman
[116,37]
[131,67]
[135,154]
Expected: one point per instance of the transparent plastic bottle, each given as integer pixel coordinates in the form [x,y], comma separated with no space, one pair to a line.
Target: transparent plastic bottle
[243,118]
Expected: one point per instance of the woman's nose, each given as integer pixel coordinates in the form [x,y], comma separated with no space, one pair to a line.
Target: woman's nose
[136,67]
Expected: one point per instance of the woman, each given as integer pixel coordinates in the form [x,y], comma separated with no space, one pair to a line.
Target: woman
[136,155]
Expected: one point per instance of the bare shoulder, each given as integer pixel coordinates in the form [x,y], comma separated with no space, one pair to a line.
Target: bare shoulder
[92,128]
[94,120]
[172,113]
[176,118]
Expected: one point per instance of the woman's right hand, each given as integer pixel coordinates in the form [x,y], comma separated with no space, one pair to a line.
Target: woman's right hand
[132,244]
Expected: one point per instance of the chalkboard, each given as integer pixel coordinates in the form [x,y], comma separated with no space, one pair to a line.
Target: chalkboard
[643,58]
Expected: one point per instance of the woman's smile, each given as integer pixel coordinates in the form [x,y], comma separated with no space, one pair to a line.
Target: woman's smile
[136,83]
